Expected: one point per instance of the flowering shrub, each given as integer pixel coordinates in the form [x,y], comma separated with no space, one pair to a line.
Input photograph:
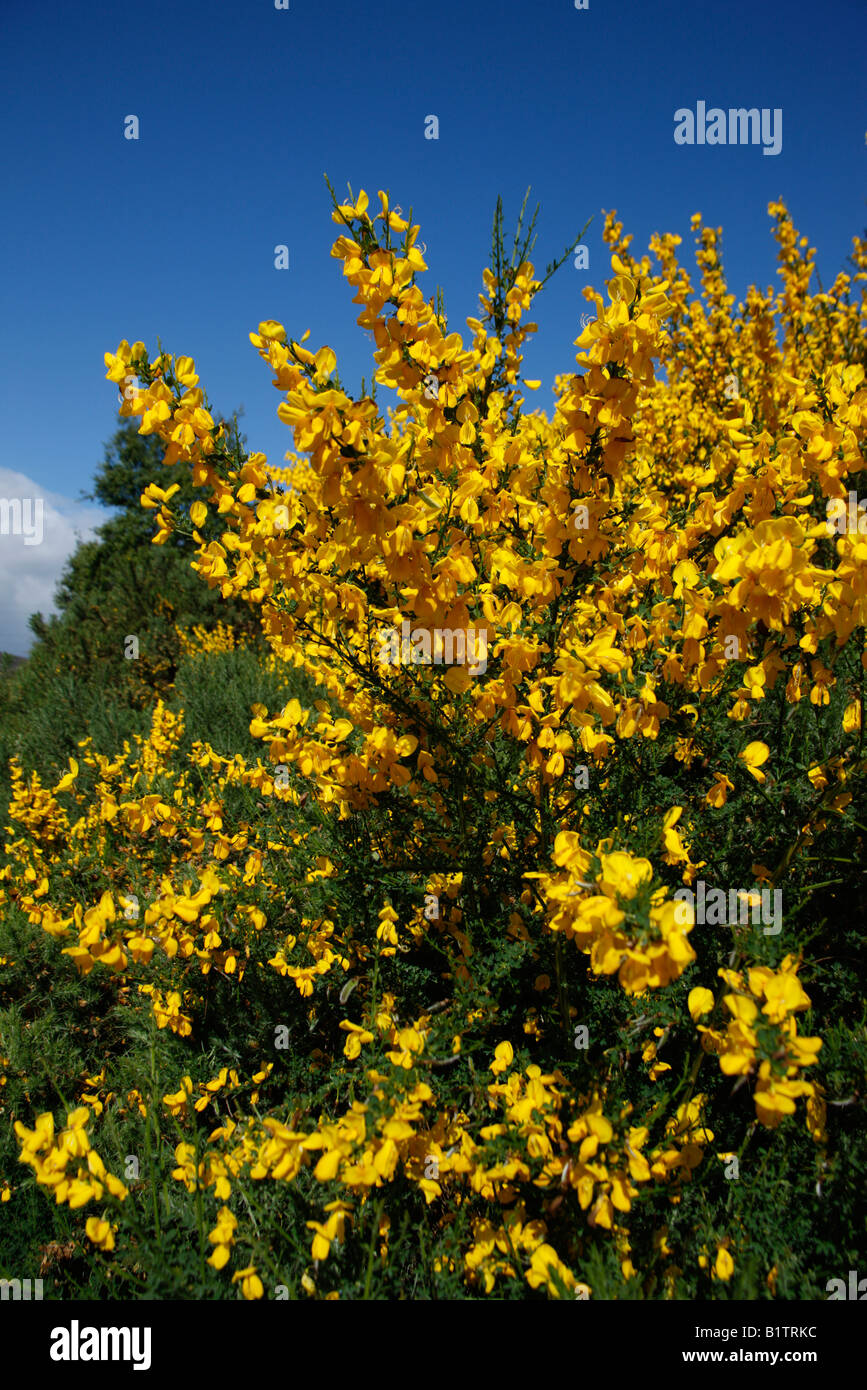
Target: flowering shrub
[412,1003]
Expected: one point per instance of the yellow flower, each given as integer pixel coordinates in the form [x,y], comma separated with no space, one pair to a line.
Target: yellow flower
[852,717]
[222,1237]
[251,1284]
[675,851]
[784,994]
[176,1104]
[503,1058]
[386,930]
[716,797]
[622,874]
[68,779]
[543,1261]
[100,1232]
[724,1265]
[333,1230]
[753,756]
[409,1042]
[699,1002]
[358,1036]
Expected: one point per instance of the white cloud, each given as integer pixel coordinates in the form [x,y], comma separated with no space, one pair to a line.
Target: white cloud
[30,566]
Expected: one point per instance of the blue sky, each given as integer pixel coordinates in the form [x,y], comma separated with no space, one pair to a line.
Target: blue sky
[243,107]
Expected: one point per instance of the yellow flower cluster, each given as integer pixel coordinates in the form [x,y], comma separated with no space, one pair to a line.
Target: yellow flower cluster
[644,571]
[761,1035]
[646,946]
[56,1160]
[199,639]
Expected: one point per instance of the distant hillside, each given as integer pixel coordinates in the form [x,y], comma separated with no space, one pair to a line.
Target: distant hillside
[10,663]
